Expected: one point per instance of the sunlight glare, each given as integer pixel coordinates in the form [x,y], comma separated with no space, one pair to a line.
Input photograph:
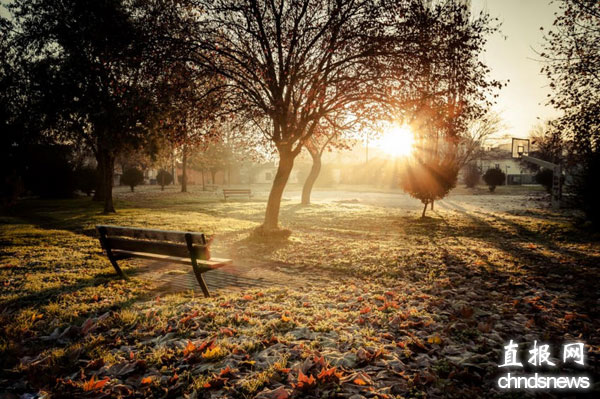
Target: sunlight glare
[397,141]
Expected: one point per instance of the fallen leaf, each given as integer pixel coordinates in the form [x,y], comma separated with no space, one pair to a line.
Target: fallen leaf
[92,384]
[188,317]
[212,353]
[304,382]
[189,348]
[279,393]
[147,380]
[434,339]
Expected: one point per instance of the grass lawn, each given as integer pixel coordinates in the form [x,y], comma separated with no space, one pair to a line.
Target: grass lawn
[393,306]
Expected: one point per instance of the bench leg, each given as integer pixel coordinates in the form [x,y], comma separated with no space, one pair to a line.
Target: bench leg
[111,257]
[197,270]
[201,282]
[113,261]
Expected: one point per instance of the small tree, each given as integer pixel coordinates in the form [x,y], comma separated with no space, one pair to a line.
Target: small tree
[472,176]
[494,177]
[163,178]
[430,180]
[132,177]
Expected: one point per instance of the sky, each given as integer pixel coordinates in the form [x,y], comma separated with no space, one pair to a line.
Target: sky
[511,56]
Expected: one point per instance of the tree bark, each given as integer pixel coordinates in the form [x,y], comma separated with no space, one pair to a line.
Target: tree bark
[184,171]
[213,176]
[203,186]
[432,205]
[109,168]
[424,209]
[286,163]
[312,176]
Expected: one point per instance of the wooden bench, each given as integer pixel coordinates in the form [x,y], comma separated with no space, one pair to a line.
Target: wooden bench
[169,246]
[232,192]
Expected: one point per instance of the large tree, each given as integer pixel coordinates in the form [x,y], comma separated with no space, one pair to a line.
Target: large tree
[294,62]
[86,66]
[572,63]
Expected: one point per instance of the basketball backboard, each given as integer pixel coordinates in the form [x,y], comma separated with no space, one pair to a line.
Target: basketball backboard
[520,147]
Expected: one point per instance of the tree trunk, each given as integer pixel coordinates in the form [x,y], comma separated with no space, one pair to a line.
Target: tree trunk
[312,176]
[424,209]
[432,205]
[213,176]
[99,193]
[286,163]
[184,171]
[174,181]
[203,186]
[109,168]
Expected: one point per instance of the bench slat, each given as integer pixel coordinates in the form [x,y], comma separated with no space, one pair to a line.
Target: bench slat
[151,234]
[154,247]
[214,263]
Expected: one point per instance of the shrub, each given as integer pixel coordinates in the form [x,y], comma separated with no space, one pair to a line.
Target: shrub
[472,176]
[163,178]
[132,177]
[85,179]
[49,172]
[544,177]
[494,177]
[429,180]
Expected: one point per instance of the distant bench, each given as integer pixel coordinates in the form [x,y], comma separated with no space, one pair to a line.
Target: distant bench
[169,246]
[235,192]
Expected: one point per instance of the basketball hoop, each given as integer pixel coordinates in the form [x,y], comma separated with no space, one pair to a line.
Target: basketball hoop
[520,147]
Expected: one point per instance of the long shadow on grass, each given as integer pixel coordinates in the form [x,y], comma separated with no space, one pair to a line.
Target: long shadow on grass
[43,297]
[541,269]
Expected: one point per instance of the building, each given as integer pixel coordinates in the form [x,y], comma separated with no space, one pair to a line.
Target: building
[500,157]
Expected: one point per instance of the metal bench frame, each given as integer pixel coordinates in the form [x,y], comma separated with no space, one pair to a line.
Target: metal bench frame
[170,246]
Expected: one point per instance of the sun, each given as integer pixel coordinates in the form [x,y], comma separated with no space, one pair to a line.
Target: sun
[397,141]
